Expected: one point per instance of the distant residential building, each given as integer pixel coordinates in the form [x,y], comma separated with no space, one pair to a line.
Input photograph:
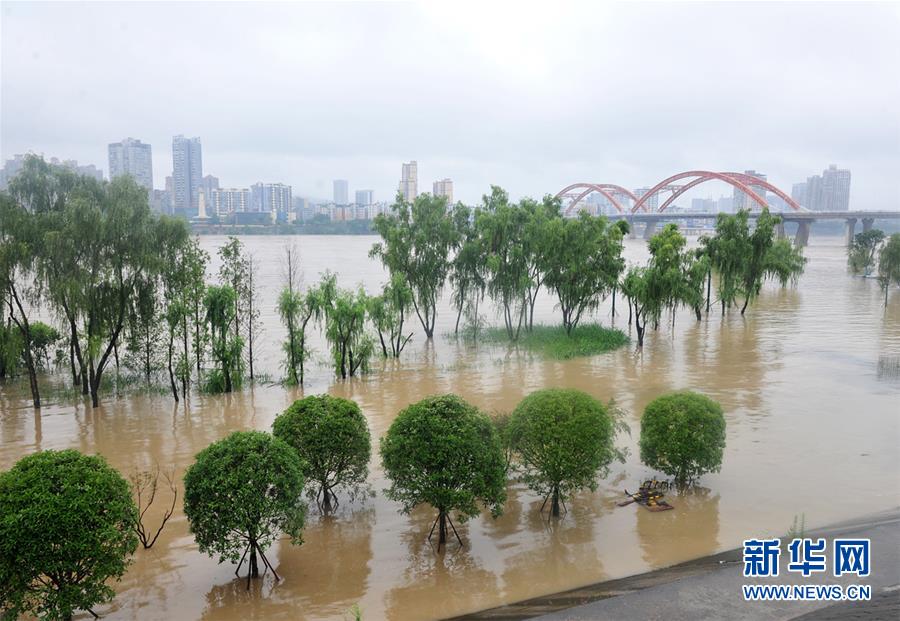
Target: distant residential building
[229,200]
[652,203]
[365,197]
[132,157]
[187,175]
[798,193]
[15,164]
[444,187]
[740,198]
[209,183]
[160,201]
[835,189]
[409,181]
[275,197]
[341,192]
[725,204]
[704,205]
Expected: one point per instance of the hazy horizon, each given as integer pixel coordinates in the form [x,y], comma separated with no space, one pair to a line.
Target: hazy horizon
[529,97]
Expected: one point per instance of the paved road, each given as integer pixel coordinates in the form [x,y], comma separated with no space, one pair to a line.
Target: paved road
[711,589]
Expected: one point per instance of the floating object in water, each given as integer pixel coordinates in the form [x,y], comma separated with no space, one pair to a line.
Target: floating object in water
[649,495]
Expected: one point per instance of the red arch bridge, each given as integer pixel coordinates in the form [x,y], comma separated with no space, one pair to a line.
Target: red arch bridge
[648,206]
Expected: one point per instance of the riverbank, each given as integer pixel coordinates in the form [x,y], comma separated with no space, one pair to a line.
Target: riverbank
[710,588]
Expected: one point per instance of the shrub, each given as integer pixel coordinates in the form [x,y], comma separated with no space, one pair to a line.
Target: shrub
[241,493]
[332,438]
[563,441]
[683,435]
[66,528]
[444,452]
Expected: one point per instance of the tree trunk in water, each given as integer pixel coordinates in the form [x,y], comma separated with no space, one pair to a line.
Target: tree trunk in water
[442,529]
[32,379]
[744,307]
[723,307]
[75,379]
[326,503]
[458,315]
[708,288]
[254,566]
[629,312]
[554,509]
[614,302]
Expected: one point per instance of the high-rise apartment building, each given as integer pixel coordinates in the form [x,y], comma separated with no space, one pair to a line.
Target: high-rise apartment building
[209,183]
[740,200]
[409,181]
[274,197]
[341,191]
[228,200]
[365,198]
[829,191]
[131,157]
[187,175]
[444,187]
[652,203]
[798,193]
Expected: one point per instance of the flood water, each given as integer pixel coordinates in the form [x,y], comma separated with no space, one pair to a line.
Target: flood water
[808,381]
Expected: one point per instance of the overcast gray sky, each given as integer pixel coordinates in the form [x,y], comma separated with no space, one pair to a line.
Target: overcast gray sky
[530,97]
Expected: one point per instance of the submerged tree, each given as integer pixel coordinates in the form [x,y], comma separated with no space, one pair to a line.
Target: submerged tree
[683,435]
[582,264]
[467,270]
[388,312]
[345,327]
[862,254]
[444,452]
[240,494]
[563,442]
[296,310]
[65,533]
[417,240]
[889,265]
[331,436]
[226,346]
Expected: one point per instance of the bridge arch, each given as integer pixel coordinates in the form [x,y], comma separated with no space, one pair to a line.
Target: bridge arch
[606,189]
[704,175]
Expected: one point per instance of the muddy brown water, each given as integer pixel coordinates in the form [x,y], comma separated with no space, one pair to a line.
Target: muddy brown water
[807,379]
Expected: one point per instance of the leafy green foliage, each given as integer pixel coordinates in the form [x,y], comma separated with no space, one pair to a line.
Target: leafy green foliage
[241,493]
[563,440]
[66,529]
[683,435]
[332,438]
[345,327]
[226,346]
[555,342]
[297,309]
[468,269]
[889,265]
[581,263]
[388,312]
[863,251]
[446,453]
[417,240]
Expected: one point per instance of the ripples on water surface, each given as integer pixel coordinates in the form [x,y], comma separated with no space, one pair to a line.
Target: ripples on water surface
[809,382]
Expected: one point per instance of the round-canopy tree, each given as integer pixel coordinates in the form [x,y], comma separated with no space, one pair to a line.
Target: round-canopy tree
[66,528]
[683,435]
[444,452]
[240,493]
[332,438]
[563,441]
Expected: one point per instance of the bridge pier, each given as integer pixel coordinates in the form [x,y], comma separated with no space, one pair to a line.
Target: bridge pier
[650,229]
[801,239]
[867,224]
[779,229]
[851,230]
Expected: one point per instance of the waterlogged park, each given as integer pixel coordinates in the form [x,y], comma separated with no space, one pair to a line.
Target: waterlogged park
[474,407]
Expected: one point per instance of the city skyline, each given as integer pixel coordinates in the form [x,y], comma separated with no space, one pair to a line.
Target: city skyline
[638,127]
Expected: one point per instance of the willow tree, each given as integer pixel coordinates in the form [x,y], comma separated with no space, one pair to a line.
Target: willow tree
[297,309]
[467,270]
[417,240]
[345,329]
[238,270]
[862,254]
[582,263]
[889,265]
[768,258]
[226,347]
[539,217]
[18,252]
[387,312]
